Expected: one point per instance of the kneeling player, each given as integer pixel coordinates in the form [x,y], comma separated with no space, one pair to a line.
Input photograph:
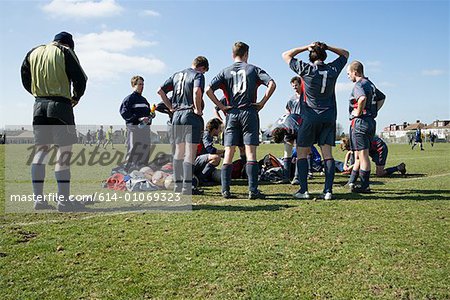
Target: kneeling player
[208,157]
[378,152]
[286,131]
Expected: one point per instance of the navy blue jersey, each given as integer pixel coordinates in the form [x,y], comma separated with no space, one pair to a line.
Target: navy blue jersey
[319,80]
[134,107]
[182,85]
[366,88]
[290,122]
[294,104]
[418,133]
[239,83]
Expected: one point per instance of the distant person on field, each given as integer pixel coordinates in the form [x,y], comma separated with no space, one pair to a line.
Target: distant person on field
[418,139]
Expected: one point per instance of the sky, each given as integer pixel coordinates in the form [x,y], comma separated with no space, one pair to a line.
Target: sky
[404,46]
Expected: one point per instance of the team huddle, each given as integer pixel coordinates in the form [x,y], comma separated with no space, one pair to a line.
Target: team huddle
[310,117]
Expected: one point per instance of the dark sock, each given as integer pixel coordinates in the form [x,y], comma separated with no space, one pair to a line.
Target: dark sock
[226,177]
[37,178]
[287,161]
[178,173]
[330,169]
[207,171]
[63,180]
[353,176]
[391,170]
[244,158]
[187,176]
[302,166]
[364,176]
[252,170]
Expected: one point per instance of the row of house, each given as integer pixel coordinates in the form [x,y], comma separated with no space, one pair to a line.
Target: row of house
[401,133]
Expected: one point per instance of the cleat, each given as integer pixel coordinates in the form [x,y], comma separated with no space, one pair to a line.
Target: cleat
[295,181]
[299,195]
[70,206]
[226,195]
[41,205]
[402,168]
[256,195]
[326,196]
[358,189]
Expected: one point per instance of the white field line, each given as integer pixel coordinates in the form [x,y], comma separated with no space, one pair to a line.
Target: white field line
[193,204]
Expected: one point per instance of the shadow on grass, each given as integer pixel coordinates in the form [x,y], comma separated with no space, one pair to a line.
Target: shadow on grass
[269,207]
[410,195]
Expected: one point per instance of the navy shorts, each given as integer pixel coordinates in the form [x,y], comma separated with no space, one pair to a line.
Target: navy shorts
[312,132]
[187,127]
[362,131]
[53,123]
[379,156]
[241,127]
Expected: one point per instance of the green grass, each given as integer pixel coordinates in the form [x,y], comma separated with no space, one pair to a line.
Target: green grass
[393,244]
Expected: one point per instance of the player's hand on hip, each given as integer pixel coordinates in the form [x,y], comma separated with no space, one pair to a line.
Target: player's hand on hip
[198,112]
[74,102]
[258,105]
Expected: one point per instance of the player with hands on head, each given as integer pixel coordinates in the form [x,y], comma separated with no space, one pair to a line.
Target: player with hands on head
[319,110]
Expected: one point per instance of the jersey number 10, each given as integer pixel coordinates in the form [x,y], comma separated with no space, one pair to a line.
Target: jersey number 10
[239,81]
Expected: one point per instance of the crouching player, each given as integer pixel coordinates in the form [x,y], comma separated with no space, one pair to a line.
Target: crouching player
[286,131]
[208,156]
[378,152]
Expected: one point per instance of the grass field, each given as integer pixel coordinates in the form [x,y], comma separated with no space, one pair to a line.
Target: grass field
[393,244]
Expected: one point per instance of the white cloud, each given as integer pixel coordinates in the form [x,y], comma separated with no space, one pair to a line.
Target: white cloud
[434,72]
[150,13]
[344,87]
[116,40]
[102,57]
[82,8]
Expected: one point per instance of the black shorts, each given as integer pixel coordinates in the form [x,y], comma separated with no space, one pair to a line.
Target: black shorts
[241,127]
[312,132]
[53,123]
[187,127]
[362,131]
